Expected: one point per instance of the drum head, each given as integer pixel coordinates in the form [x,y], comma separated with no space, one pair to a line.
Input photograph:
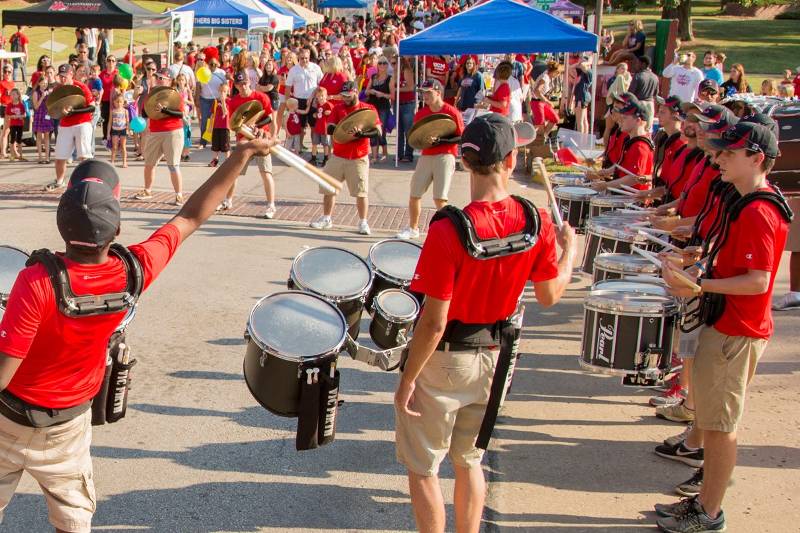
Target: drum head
[630,301]
[395,258]
[12,261]
[578,193]
[625,263]
[296,325]
[397,304]
[628,286]
[331,272]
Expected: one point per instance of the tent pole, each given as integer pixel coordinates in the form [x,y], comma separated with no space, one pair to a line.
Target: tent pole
[416,81]
[598,24]
[130,50]
[211,39]
[171,45]
[52,31]
[398,72]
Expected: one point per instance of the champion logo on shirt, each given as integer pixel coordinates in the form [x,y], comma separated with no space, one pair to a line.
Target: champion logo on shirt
[749,257]
[3,334]
[88,277]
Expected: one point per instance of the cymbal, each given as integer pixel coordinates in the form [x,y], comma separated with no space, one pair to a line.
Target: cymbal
[166,96]
[63,96]
[245,113]
[363,119]
[423,133]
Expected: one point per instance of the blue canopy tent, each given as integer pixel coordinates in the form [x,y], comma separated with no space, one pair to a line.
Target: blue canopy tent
[225,14]
[346,4]
[297,20]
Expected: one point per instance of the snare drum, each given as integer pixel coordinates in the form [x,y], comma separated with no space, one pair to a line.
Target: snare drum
[606,235]
[288,333]
[573,202]
[615,266]
[12,262]
[394,314]
[629,328]
[338,275]
[568,179]
[394,262]
[605,203]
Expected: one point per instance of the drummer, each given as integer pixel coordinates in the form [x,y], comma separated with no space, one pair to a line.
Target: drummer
[164,139]
[437,163]
[264,163]
[668,143]
[53,365]
[74,129]
[349,161]
[617,137]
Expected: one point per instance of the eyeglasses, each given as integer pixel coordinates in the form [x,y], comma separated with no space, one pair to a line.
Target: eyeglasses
[111,60]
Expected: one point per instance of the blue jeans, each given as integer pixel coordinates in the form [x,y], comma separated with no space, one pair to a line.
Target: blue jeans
[404,123]
[19,63]
[206,105]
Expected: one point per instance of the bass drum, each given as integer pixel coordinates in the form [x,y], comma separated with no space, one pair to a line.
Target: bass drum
[336,274]
[12,262]
[288,334]
[394,262]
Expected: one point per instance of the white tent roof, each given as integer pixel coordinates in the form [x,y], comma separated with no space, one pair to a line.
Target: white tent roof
[282,22]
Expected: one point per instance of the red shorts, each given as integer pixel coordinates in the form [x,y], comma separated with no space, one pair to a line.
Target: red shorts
[543,112]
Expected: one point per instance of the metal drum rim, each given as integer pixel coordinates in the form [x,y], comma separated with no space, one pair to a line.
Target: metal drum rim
[600,198]
[272,351]
[380,273]
[663,308]
[599,259]
[377,308]
[606,370]
[344,298]
[614,233]
[562,194]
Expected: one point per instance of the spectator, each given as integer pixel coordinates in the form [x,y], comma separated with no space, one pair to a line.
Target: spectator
[405,120]
[684,78]
[618,85]
[500,98]
[737,83]
[634,42]
[207,93]
[786,91]
[708,92]
[41,66]
[103,46]
[710,70]
[301,82]
[19,43]
[380,94]
[768,88]
[83,57]
[581,93]
[107,79]
[91,42]
[42,124]
[787,78]
[6,86]
[470,85]
[268,84]
[644,86]
[333,78]
[181,67]
[796,82]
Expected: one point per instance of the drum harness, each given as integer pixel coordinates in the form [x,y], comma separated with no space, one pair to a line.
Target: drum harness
[110,403]
[692,157]
[506,332]
[628,143]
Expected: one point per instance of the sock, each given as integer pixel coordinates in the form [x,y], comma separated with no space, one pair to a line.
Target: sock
[362,221]
[686,447]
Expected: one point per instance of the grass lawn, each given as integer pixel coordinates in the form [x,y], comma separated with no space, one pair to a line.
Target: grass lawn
[765,47]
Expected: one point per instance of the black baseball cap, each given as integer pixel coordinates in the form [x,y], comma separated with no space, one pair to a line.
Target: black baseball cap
[493,137]
[624,98]
[66,68]
[240,77]
[725,122]
[714,113]
[431,84]
[764,120]
[348,87]
[708,85]
[673,103]
[635,108]
[89,213]
[748,136]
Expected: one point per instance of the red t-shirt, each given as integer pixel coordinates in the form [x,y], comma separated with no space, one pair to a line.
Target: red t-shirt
[483,291]
[323,115]
[357,148]
[222,114]
[168,123]
[615,143]
[332,82]
[501,94]
[238,100]
[436,67]
[293,124]
[64,359]
[107,78]
[709,219]
[669,153]
[637,157]
[447,109]
[282,72]
[356,54]
[755,242]
[796,83]
[191,59]
[679,171]
[79,118]
[16,109]
[696,189]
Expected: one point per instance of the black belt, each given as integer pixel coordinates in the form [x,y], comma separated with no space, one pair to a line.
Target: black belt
[25,414]
[445,346]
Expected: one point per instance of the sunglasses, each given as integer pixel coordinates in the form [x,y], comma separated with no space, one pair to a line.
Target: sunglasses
[383,62]
[111,60]
[151,70]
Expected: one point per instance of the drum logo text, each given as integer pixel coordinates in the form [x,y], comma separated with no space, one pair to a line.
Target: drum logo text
[605,334]
[330,413]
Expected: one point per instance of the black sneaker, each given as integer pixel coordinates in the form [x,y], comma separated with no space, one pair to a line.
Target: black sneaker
[324,161]
[681,453]
[313,160]
[674,509]
[694,520]
[691,487]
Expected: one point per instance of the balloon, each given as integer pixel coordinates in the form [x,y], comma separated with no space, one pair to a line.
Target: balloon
[203,74]
[272,24]
[124,84]
[236,50]
[125,71]
[138,124]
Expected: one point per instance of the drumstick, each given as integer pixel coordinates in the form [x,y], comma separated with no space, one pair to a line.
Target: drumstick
[625,170]
[582,168]
[677,273]
[647,255]
[284,154]
[549,189]
[641,224]
[656,231]
[637,207]
[629,189]
[620,191]
[662,242]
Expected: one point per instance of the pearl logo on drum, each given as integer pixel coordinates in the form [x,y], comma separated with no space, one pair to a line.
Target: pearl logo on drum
[605,333]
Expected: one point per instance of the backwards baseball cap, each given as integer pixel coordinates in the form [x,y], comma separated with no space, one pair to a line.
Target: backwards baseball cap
[492,137]
[635,108]
[64,69]
[672,102]
[89,213]
[708,85]
[748,136]
[240,77]
[348,88]
[431,84]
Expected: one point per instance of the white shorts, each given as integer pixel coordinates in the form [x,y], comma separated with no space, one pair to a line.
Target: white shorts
[74,138]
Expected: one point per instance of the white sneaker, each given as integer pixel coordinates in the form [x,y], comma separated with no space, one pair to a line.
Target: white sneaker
[225,205]
[269,214]
[408,233]
[322,222]
[363,227]
[790,300]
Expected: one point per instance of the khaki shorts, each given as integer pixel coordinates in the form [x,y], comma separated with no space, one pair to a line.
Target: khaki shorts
[166,143]
[354,171]
[723,368]
[793,240]
[438,169]
[58,459]
[451,394]
[78,138]
[263,162]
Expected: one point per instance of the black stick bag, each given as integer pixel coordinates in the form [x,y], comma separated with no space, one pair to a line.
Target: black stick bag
[328,406]
[308,411]
[119,384]
[101,398]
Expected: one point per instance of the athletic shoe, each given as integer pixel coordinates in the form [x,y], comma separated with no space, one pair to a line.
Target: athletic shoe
[226,204]
[322,222]
[668,384]
[691,487]
[269,214]
[694,520]
[675,413]
[144,194]
[313,160]
[674,509]
[680,437]
[788,301]
[408,233]
[55,185]
[671,397]
[363,227]
[681,453]
[213,163]
[179,199]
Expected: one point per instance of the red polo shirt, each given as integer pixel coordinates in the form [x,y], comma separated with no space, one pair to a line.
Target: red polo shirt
[447,109]
[357,148]
[79,118]
[616,140]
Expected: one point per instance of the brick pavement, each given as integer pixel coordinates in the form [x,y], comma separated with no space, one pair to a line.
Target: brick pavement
[381,217]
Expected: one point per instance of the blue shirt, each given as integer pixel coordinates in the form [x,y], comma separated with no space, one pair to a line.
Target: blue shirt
[713,73]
